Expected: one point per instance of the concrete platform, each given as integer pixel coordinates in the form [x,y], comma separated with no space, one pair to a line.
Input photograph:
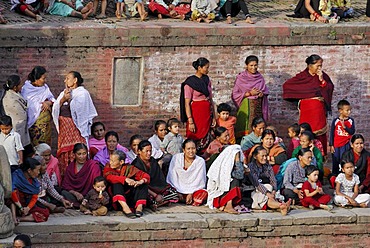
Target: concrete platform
[186,226]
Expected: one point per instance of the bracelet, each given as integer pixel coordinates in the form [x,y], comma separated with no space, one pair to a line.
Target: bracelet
[316,15]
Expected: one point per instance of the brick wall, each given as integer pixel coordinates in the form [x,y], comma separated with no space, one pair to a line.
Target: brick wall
[166,67]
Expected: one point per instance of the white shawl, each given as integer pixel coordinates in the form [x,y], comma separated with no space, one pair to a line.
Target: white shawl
[156,146]
[82,110]
[219,174]
[35,96]
[190,180]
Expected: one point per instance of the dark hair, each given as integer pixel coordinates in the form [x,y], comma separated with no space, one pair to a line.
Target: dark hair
[11,82]
[311,168]
[357,136]
[6,120]
[306,126]
[143,144]
[251,58]
[257,120]
[200,62]
[188,141]
[311,60]
[219,130]
[25,239]
[223,107]
[100,179]
[343,103]
[267,132]
[79,146]
[343,162]
[172,122]
[135,137]
[77,75]
[95,124]
[29,163]
[111,133]
[295,127]
[302,151]
[121,155]
[309,135]
[36,73]
[257,150]
[158,123]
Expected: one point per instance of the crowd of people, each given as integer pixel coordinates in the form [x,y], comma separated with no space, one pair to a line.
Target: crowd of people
[233,163]
[196,10]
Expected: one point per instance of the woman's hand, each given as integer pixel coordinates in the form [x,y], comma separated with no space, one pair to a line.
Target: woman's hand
[319,73]
[255,92]
[323,20]
[130,182]
[159,198]
[66,203]
[78,195]
[299,193]
[189,199]
[46,106]
[214,122]
[138,183]
[192,127]
[25,211]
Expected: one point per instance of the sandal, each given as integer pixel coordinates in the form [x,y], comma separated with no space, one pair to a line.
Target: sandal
[242,209]
[139,214]
[130,215]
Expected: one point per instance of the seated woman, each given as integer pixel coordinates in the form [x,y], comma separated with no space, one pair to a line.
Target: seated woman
[134,144]
[160,192]
[187,173]
[128,185]
[31,8]
[25,193]
[96,141]
[52,163]
[263,179]
[360,157]
[79,176]
[231,8]
[254,138]
[169,8]
[224,177]
[295,174]
[309,9]
[111,141]
[68,8]
[216,146]
[317,143]
[48,196]
[276,154]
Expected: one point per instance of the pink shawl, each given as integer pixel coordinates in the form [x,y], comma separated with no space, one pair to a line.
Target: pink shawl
[245,82]
[52,167]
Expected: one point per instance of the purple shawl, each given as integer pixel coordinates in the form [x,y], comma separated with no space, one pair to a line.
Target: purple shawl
[245,82]
[102,156]
[83,180]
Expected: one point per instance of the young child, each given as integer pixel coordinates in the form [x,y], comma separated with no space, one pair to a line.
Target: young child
[96,199]
[138,8]
[341,131]
[346,188]
[11,141]
[121,9]
[102,14]
[278,141]
[203,10]
[293,133]
[172,142]
[225,120]
[157,138]
[313,195]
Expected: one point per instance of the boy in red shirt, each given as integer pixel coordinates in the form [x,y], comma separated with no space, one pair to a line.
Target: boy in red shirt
[225,120]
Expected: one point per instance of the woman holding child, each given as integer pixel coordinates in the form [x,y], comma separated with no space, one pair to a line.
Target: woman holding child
[250,97]
[312,89]
[196,105]
[73,113]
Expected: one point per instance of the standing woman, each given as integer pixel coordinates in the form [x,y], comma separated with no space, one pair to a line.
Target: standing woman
[15,106]
[313,90]
[40,101]
[73,114]
[250,97]
[196,105]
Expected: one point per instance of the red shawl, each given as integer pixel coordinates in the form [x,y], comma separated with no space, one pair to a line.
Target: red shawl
[83,180]
[244,83]
[304,85]
[126,171]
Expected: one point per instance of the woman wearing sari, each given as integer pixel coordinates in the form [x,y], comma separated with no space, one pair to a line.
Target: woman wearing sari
[250,97]
[196,105]
[79,176]
[52,163]
[25,193]
[361,159]
[276,154]
[313,90]
[187,174]
[73,114]
[15,106]
[39,102]
[160,192]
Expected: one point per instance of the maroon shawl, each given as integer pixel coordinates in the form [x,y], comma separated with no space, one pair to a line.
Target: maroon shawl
[244,83]
[304,85]
[83,180]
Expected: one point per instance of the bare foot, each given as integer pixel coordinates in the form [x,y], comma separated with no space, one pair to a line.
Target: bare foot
[145,15]
[159,16]
[208,20]
[363,205]
[2,20]
[118,15]
[228,20]
[88,212]
[230,210]
[288,203]
[38,18]
[85,9]
[283,209]
[84,16]
[249,20]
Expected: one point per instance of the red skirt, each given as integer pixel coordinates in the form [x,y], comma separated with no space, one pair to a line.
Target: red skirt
[201,113]
[156,8]
[233,195]
[313,112]
[40,214]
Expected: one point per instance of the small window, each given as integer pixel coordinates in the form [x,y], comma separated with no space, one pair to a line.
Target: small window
[127,77]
